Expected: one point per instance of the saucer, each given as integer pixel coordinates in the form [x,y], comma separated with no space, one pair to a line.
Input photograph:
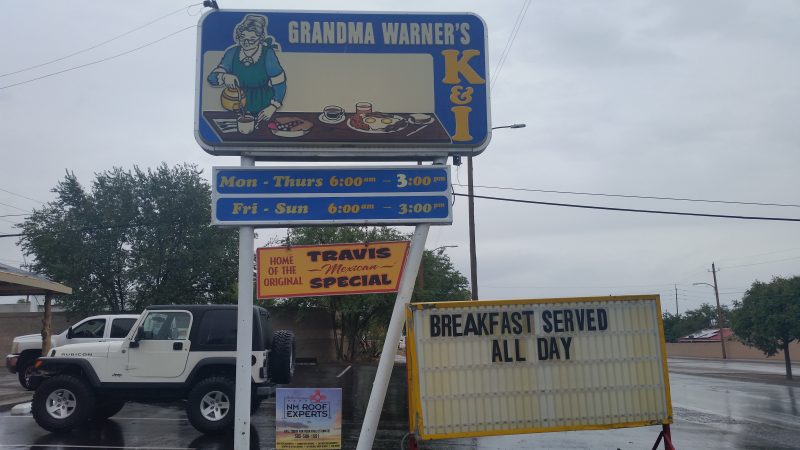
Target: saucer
[324,119]
[420,122]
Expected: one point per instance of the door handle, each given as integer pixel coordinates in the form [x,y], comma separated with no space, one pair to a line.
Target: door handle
[177,345]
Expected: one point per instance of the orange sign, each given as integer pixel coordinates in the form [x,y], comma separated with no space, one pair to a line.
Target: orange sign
[337,269]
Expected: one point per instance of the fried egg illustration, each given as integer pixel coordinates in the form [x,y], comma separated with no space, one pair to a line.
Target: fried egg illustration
[383,122]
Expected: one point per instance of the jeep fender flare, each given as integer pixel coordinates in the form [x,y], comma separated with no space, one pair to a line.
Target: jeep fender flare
[205,363]
[53,366]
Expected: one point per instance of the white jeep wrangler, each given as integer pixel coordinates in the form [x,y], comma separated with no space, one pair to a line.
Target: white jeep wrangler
[174,352]
[25,349]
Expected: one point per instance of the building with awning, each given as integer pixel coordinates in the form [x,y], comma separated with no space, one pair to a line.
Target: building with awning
[15,281]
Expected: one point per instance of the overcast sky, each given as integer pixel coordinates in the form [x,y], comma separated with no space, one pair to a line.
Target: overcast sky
[670,99]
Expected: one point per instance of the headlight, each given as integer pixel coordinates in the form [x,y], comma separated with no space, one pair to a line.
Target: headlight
[15,348]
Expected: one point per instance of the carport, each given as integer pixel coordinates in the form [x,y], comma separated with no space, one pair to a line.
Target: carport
[15,281]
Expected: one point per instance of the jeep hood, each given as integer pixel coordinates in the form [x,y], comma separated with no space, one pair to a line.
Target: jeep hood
[84,350]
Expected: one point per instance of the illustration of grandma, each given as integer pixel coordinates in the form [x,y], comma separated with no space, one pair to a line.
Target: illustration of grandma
[250,71]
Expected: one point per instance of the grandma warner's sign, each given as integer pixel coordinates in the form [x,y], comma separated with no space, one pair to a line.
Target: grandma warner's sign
[341,85]
[338,269]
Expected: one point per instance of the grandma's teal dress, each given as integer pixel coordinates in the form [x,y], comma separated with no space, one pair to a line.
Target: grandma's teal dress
[254,76]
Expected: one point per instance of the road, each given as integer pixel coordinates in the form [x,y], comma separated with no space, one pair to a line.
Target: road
[717,405]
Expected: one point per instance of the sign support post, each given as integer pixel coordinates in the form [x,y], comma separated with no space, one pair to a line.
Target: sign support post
[373,413]
[244,332]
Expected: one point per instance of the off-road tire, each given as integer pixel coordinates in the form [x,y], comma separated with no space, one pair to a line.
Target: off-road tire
[107,408]
[281,358]
[201,405]
[78,409]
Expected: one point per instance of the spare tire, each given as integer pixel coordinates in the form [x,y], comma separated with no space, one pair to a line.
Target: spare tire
[281,358]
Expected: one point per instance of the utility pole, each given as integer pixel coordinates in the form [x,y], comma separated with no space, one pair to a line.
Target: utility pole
[719,312]
[473,258]
[677,313]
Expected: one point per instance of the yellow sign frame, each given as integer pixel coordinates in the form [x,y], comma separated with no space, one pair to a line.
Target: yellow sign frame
[332,269]
[414,396]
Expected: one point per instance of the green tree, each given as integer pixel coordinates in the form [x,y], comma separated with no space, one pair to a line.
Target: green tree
[768,317]
[438,280]
[360,321]
[133,239]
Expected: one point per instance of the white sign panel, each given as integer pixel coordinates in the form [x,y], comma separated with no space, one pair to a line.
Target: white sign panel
[525,366]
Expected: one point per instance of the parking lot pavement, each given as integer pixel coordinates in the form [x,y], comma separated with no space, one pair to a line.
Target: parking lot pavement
[165,426]
[11,393]
[710,413]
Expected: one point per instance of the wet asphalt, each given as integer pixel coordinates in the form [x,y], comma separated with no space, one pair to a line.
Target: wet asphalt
[717,405]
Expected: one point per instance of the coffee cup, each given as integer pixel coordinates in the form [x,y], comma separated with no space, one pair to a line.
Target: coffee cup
[246,124]
[333,113]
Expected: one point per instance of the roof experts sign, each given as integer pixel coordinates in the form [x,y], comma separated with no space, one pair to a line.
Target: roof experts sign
[341,85]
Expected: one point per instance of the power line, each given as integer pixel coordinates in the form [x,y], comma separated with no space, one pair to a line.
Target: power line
[510,42]
[12,206]
[25,69]
[646,211]
[99,60]
[760,263]
[763,254]
[634,196]
[107,227]
[14,215]
[21,196]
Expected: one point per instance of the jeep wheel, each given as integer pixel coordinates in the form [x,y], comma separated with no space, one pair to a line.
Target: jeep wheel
[107,409]
[210,405]
[62,403]
[281,359]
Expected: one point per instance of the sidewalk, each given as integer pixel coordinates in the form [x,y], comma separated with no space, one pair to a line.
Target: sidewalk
[771,372]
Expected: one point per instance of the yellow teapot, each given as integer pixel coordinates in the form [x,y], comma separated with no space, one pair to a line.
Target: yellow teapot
[233,99]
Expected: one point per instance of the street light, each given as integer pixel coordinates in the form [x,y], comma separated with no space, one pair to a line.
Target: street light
[473,258]
[719,309]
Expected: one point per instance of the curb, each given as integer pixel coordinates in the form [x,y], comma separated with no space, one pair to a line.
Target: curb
[23,409]
[12,402]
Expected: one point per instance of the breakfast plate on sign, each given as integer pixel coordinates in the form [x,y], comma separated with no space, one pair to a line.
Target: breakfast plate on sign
[290,127]
[376,122]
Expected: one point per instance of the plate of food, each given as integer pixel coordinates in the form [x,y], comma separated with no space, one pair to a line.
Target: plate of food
[290,127]
[376,122]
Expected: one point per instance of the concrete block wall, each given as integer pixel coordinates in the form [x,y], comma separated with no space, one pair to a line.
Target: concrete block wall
[313,334]
[733,348]
[14,324]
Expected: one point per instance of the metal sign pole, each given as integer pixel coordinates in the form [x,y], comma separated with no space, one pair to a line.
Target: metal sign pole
[375,405]
[244,333]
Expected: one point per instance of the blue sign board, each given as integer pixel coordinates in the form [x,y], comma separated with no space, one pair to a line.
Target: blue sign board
[333,210]
[330,180]
[294,85]
[281,196]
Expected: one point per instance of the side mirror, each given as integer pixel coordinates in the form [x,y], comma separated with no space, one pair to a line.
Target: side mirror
[70,333]
[136,338]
